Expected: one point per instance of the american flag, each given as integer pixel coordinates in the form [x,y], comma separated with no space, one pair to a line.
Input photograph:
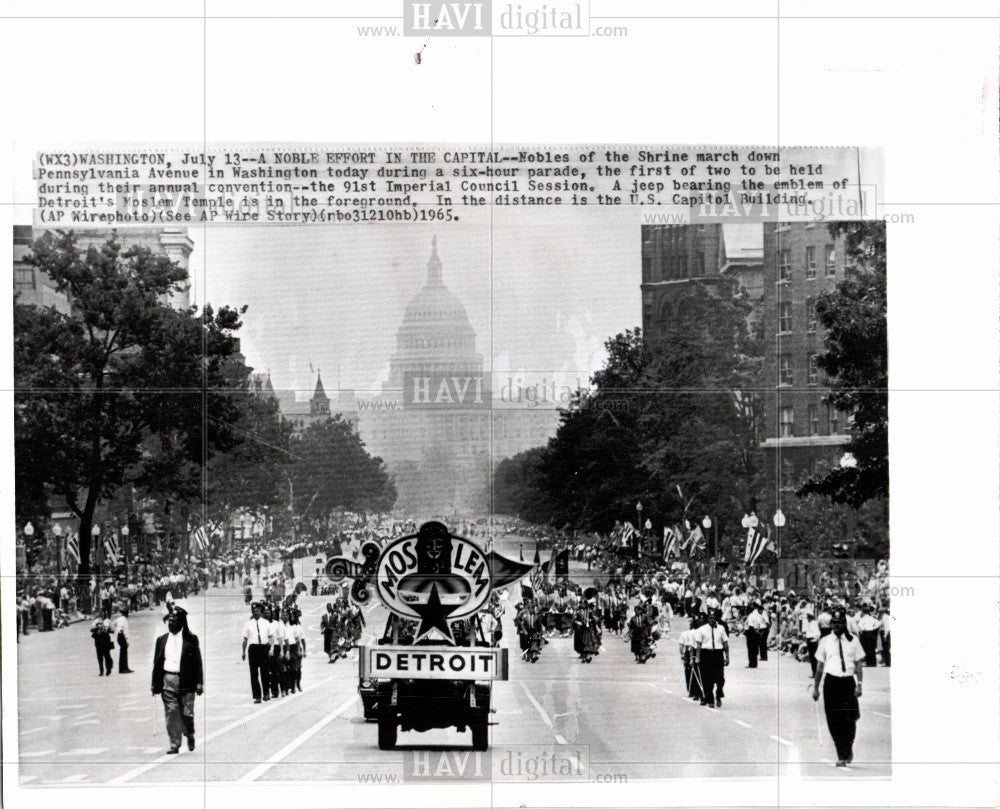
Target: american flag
[696,539]
[669,542]
[111,550]
[73,547]
[628,531]
[756,542]
[201,538]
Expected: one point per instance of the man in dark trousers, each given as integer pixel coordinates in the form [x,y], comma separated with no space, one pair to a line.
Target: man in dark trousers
[840,658]
[712,643]
[258,639]
[177,677]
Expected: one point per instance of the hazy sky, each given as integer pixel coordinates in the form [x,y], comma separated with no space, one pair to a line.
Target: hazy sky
[560,282]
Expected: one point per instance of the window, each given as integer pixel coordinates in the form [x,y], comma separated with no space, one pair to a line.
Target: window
[810,262]
[811,319]
[813,369]
[787,474]
[785,265]
[24,276]
[786,427]
[785,316]
[831,260]
[785,374]
[831,419]
[813,420]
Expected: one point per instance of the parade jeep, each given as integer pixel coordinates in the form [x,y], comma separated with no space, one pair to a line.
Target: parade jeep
[433,667]
[424,687]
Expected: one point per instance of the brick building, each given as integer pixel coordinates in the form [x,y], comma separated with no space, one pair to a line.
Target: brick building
[35,288]
[781,269]
[802,434]
[680,260]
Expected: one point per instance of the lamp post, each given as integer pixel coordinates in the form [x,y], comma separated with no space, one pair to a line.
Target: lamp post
[749,522]
[128,547]
[779,523]
[60,553]
[707,525]
[95,532]
[22,549]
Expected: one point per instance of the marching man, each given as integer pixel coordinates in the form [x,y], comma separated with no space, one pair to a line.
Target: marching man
[840,660]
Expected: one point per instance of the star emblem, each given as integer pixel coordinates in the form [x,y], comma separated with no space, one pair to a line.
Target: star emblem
[434,615]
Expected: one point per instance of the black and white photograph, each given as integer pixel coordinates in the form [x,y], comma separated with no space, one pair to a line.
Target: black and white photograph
[527,497]
[473,404]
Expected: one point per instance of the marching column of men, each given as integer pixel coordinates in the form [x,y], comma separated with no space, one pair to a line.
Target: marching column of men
[275,644]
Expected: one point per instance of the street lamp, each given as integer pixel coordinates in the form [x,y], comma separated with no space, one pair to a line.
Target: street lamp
[29,529]
[779,523]
[848,461]
[707,525]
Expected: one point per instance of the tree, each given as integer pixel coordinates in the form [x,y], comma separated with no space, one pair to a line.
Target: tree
[331,469]
[856,361]
[700,425]
[672,423]
[517,486]
[253,474]
[121,388]
[591,473]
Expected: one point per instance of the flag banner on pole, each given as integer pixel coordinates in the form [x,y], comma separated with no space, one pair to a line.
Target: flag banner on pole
[756,542]
[73,547]
[684,542]
[669,543]
[111,551]
[628,531]
[200,537]
[696,539]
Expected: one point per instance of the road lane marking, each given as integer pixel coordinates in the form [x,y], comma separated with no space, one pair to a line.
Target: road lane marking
[885,715]
[27,779]
[87,722]
[541,712]
[303,737]
[742,724]
[35,730]
[782,741]
[37,754]
[237,723]
[85,751]
[75,778]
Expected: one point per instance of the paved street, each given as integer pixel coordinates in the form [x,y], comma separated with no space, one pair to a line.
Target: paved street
[623,721]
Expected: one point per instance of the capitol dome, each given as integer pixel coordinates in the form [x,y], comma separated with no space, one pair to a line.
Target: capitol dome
[435,335]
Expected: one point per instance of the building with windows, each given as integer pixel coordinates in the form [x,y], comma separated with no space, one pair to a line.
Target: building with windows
[442,459]
[34,287]
[683,260]
[802,434]
[781,269]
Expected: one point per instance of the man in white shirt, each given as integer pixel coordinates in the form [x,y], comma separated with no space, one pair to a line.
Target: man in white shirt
[839,665]
[119,630]
[754,628]
[689,652]
[258,640]
[885,635]
[868,627]
[812,635]
[177,676]
[712,642]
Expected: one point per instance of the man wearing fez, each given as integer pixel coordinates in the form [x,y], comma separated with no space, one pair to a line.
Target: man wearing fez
[177,677]
[839,666]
